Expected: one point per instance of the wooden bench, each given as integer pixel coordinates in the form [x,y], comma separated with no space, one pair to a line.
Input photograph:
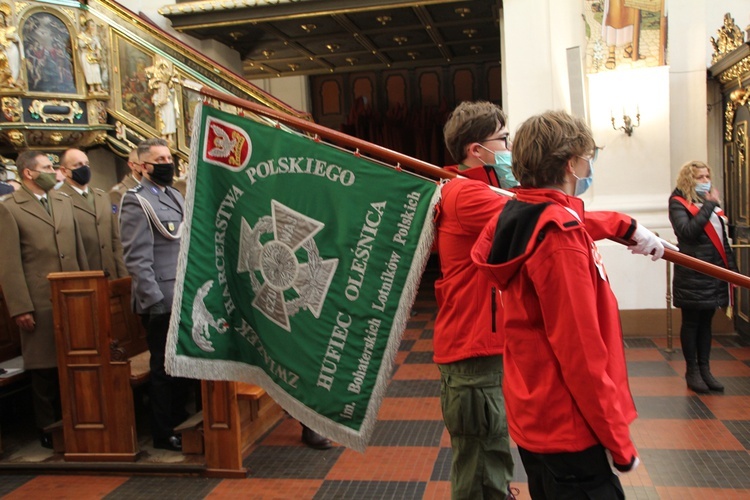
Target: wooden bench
[13,378]
[235,416]
[101,354]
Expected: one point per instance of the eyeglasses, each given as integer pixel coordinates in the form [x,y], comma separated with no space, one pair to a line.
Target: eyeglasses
[505,138]
[593,156]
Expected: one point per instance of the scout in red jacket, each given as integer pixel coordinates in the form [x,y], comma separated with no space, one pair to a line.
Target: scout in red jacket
[469,335]
[565,382]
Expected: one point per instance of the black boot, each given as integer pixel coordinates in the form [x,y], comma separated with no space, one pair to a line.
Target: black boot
[315,440]
[709,379]
[694,381]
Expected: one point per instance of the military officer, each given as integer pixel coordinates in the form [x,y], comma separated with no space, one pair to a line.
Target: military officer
[128,182]
[99,229]
[39,236]
[151,218]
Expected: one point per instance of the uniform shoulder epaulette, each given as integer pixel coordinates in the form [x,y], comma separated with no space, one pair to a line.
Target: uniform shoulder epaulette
[5,197]
[116,187]
[63,194]
[98,190]
[136,189]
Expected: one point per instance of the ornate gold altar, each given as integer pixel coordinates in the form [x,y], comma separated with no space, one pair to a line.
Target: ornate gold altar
[75,75]
[731,69]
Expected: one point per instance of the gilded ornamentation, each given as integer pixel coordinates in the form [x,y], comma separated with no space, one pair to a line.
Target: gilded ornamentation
[729,38]
[10,56]
[100,138]
[16,138]
[122,133]
[738,69]
[728,121]
[12,110]
[56,137]
[71,13]
[163,81]
[97,112]
[58,110]
[741,143]
[121,130]
[207,5]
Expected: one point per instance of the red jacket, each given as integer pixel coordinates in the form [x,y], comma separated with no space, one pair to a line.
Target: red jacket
[565,378]
[470,317]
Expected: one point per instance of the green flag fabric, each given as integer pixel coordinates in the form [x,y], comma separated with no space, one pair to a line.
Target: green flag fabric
[298,268]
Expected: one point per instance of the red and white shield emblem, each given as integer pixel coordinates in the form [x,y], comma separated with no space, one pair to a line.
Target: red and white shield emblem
[226,145]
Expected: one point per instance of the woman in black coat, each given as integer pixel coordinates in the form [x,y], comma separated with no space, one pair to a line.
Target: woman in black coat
[700,226]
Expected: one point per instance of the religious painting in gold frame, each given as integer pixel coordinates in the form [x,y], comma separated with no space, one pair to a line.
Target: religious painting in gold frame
[48,51]
[624,34]
[188,100]
[132,96]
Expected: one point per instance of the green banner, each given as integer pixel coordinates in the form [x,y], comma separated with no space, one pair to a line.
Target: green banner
[298,268]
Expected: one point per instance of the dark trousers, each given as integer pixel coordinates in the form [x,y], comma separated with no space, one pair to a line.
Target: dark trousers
[579,475]
[45,390]
[695,335]
[168,395]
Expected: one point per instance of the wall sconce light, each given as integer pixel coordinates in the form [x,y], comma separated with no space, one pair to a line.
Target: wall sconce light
[627,122]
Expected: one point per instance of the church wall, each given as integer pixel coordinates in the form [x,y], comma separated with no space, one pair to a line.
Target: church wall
[633,174]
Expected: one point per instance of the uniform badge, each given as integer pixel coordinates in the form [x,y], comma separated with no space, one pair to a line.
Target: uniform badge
[114,208]
[226,145]
[170,226]
[155,190]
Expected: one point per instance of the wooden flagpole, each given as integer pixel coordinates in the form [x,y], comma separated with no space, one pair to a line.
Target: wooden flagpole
[429,170]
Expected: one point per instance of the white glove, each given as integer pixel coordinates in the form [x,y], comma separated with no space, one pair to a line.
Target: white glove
[618,469]
[647,243]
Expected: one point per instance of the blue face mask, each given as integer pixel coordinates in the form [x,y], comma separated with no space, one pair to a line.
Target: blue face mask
[502,167]
[583,183]
[703,187]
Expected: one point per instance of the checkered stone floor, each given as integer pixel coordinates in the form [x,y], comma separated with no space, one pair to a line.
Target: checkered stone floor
[691,446]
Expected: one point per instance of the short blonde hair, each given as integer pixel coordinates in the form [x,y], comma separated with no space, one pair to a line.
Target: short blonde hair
[686,180]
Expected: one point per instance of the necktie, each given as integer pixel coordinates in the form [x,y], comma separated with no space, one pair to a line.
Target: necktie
[45,204]
[171,197]
[88,197]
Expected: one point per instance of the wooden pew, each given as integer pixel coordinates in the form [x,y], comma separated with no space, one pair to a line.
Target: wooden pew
[97,358]
[101,354]
[235,416]
[10,355]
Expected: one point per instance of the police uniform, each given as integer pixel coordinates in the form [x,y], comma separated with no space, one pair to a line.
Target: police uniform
[99,231]
[119,190]
[35,243]
[150,228]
